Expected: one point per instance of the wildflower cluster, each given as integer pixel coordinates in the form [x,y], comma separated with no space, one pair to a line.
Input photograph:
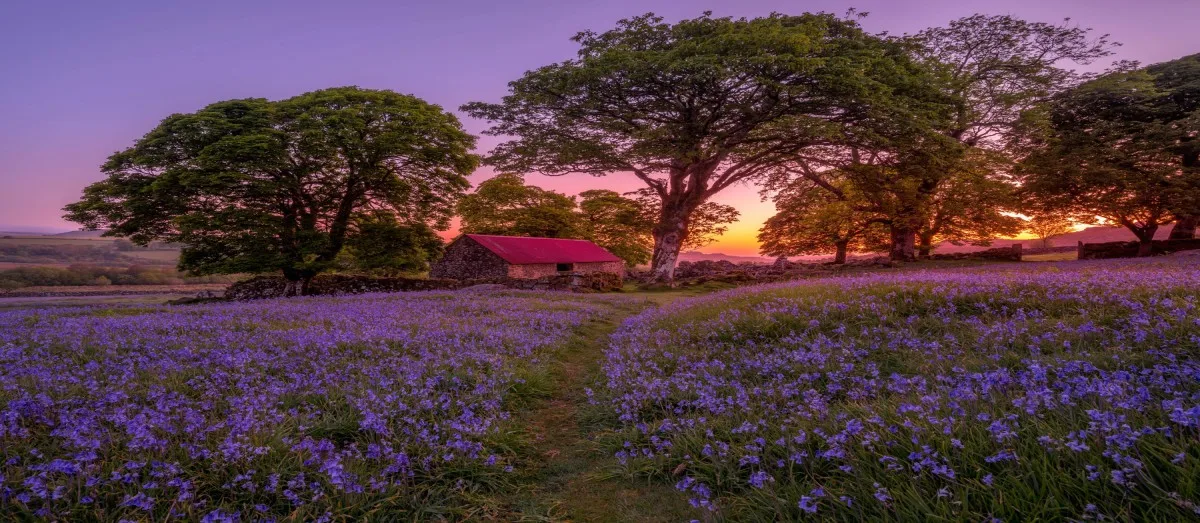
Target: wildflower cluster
[254,410]
[1062,391]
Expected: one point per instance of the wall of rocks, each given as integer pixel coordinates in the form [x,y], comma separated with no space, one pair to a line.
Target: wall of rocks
[1011,253]
[339,284]
[1098,251]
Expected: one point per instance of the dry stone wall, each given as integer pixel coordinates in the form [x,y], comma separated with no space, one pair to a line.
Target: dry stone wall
[338,284]
[1097,251]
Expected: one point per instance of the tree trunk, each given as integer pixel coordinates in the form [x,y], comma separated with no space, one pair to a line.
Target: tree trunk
[1145,248]
[903,243]
[298,283]
[925,247]
[669,234]
[1185,227]
[294,288]
[840,256]
[1146,240]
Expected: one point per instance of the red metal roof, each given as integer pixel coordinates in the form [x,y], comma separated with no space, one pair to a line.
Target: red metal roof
[519,250]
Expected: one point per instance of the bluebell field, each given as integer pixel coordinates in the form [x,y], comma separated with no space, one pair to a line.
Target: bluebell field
[305,409]
[1049,391]
[1053,391]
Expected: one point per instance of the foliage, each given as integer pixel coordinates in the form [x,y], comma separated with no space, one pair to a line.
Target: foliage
[694,107]
[970,205]
[988,73]
[1025,394]
[618,224]
[997,68]
[1122,147]
[506,206]
[384,246]
[251,186]
[811,219]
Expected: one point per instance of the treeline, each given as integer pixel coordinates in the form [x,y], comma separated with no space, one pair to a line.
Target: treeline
[11,279]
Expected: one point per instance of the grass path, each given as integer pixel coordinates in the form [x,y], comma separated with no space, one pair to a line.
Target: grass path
[571,478]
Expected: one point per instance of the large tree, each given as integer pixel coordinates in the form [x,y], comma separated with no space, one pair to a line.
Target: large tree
[252,186]
[506,205]
[992,71]
[971,205]
[811,219]
[694,107]
[1123,147]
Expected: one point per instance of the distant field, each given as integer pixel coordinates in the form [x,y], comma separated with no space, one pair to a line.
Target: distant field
[160,256]
[12,265]
[53,240]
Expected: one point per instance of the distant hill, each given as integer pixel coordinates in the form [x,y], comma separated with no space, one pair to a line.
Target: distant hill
[80,234]
[695,256]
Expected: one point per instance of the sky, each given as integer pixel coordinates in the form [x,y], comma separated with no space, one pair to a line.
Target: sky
[80,80]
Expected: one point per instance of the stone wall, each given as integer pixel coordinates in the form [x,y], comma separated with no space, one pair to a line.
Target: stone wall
[1097,251]
[1011,253]
[533,270]
[339,284]
[465,259]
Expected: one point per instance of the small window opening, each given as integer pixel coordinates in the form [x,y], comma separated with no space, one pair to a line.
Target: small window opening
[566,267]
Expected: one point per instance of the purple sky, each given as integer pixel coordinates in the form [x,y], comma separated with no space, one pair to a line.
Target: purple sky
[80,80]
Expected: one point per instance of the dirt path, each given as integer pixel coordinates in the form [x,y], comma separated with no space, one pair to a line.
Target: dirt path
[576,479]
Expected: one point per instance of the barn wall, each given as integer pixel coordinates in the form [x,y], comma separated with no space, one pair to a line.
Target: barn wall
[616,267]
[540,270]
[466,259]
[532,271]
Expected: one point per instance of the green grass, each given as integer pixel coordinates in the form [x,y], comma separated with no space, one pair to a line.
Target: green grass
[1050,256]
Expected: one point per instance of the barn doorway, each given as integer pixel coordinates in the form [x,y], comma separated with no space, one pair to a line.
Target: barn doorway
[566,267]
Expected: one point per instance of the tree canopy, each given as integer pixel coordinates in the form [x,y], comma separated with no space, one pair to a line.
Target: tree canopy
[386,246]
[1122,147]
[811,219]
[252,186]
[617,223]
[694,107]
[984,75]
[506,205]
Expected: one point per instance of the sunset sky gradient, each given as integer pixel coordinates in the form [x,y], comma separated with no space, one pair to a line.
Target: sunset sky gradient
[80,80]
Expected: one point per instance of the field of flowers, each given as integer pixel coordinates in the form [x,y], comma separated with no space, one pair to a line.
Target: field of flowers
[384,406]
[1061,391]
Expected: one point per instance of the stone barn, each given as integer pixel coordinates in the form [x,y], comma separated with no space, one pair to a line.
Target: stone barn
[477,256]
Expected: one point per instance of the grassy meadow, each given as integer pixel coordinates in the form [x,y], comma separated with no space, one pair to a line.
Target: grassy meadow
[1014,392]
